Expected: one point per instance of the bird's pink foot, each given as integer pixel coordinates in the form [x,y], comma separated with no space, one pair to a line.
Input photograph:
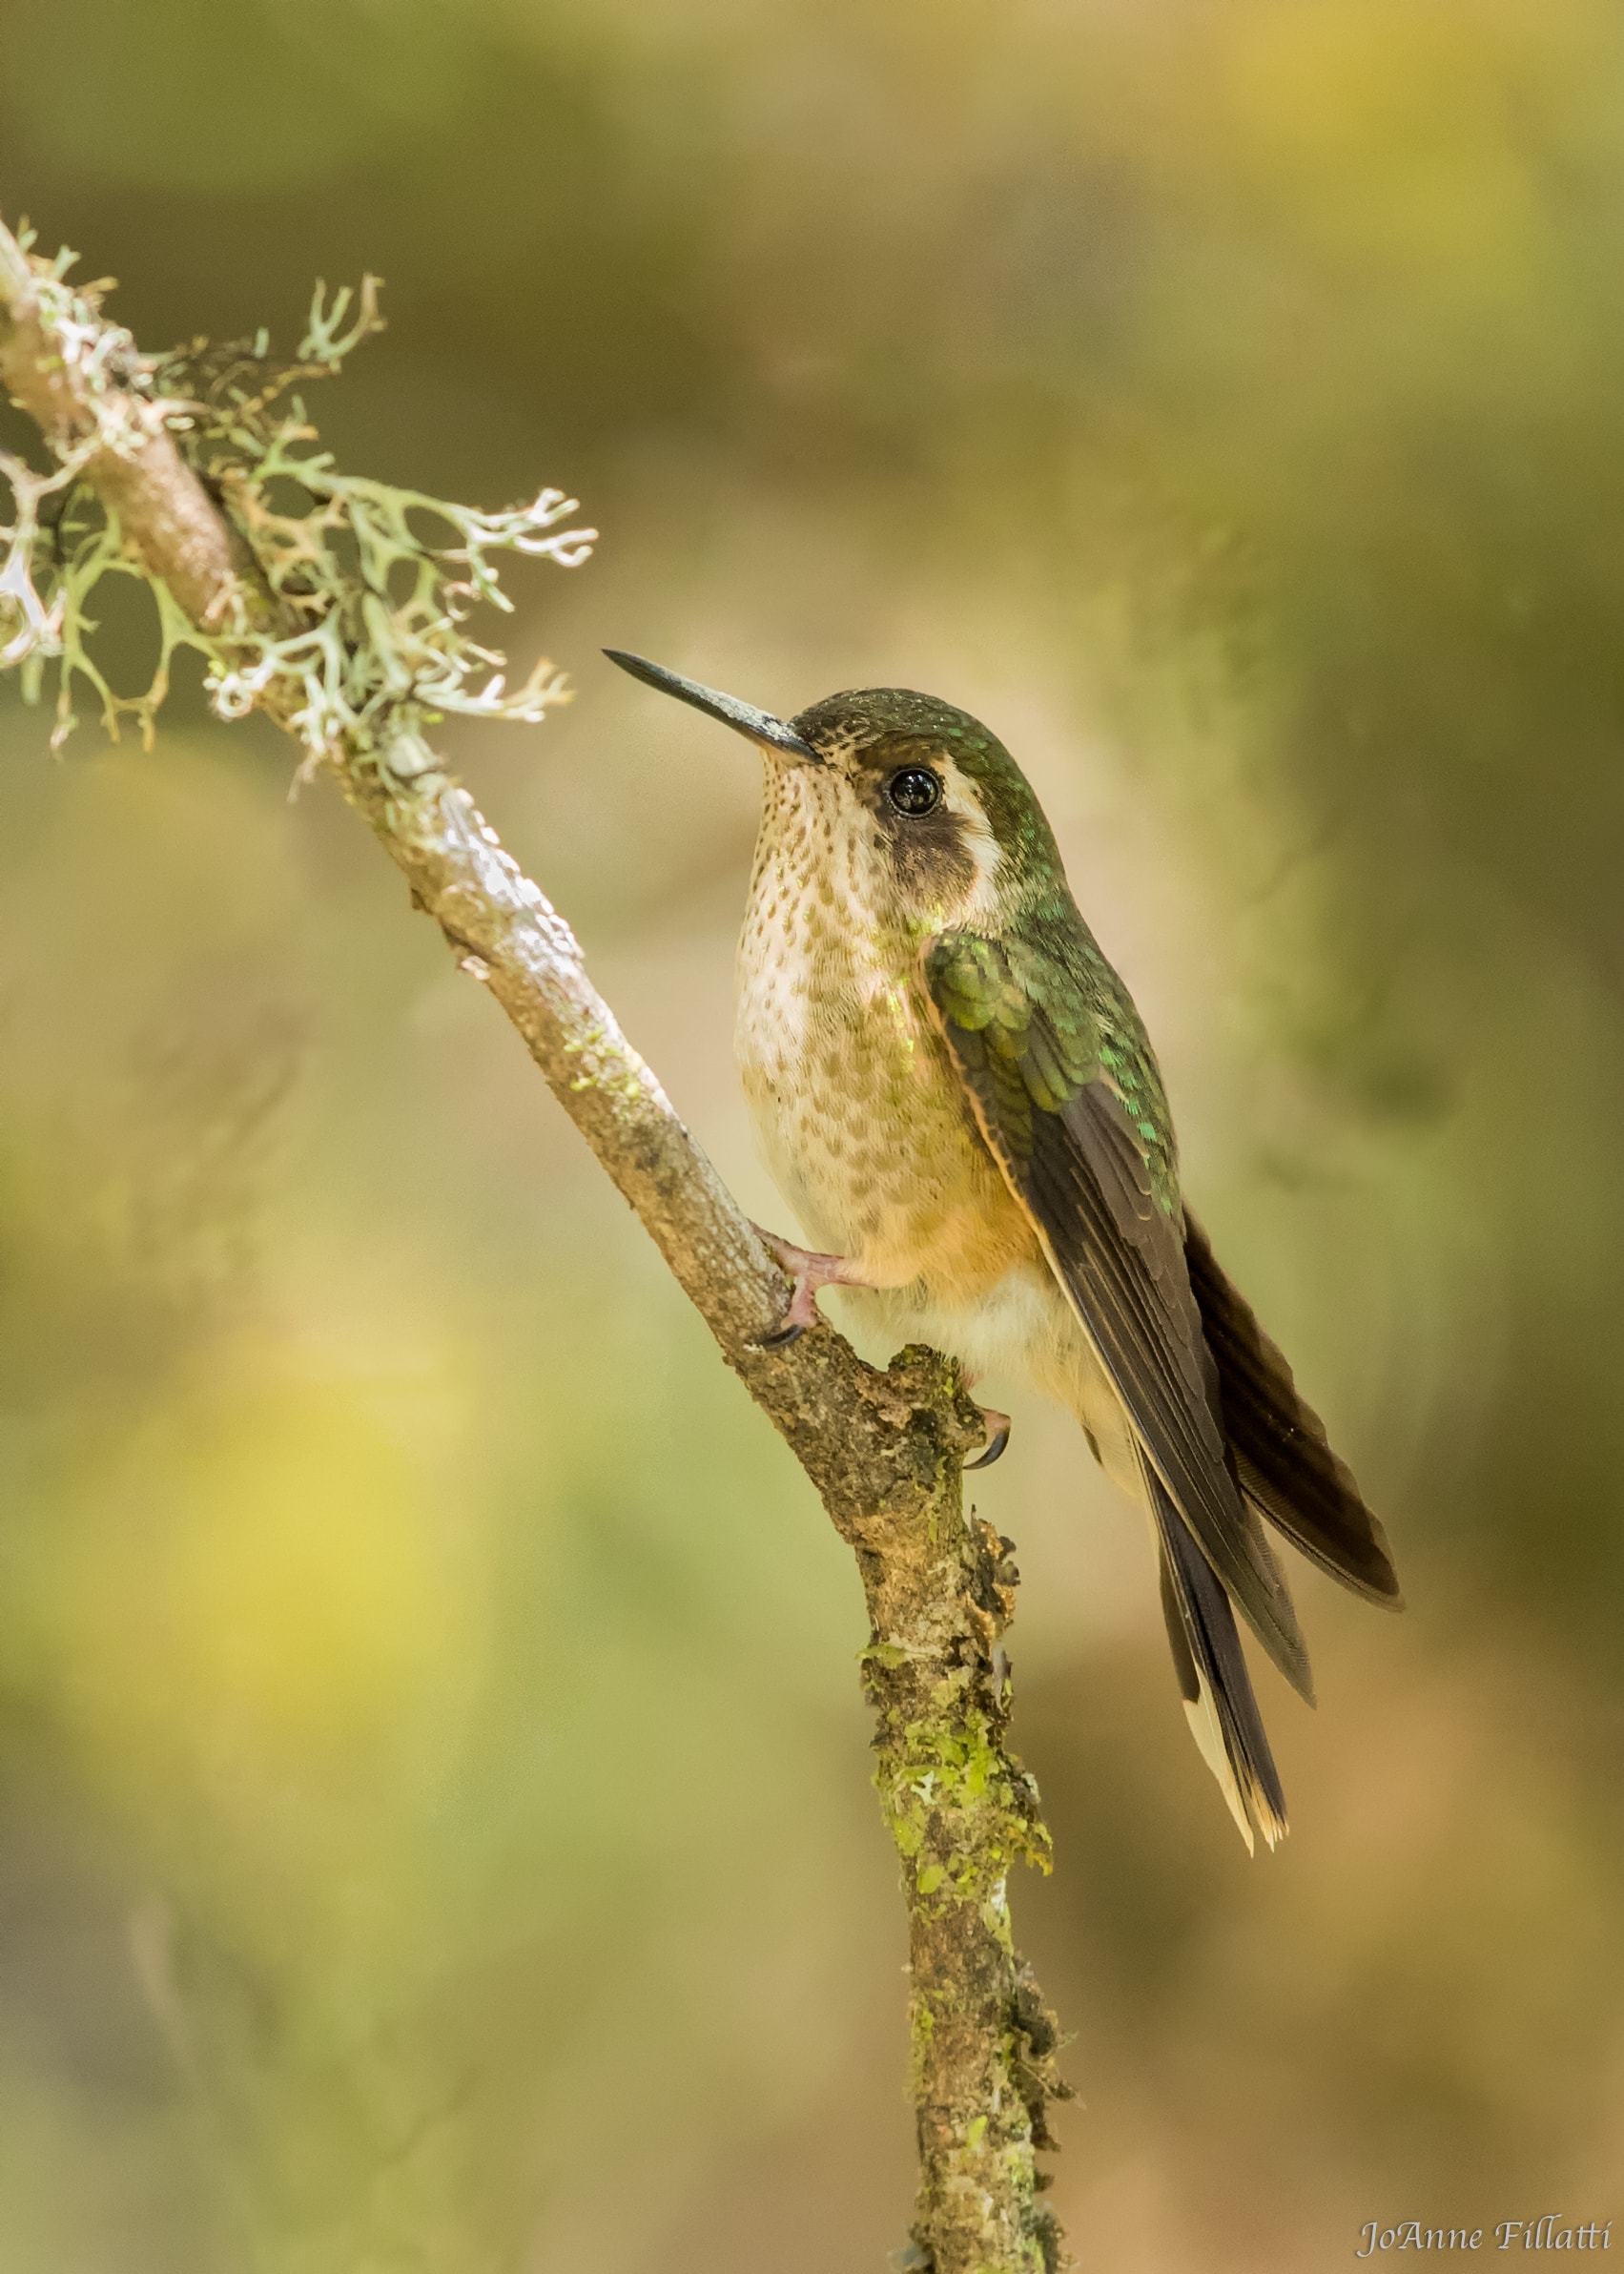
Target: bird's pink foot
[997,1438]
[810,1271]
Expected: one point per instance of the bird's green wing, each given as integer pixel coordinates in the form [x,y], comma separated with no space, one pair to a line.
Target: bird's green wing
[1068,1101]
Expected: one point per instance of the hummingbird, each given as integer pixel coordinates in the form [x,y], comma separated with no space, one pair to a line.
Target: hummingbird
[956,1096]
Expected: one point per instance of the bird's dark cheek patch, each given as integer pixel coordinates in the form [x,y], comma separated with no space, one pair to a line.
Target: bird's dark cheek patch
[931,854]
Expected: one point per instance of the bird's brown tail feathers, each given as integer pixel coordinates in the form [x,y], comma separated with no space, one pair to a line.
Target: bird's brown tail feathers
[1216,1688]
[1281,1460]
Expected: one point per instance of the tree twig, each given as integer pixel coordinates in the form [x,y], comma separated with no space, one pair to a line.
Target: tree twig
[884,1450]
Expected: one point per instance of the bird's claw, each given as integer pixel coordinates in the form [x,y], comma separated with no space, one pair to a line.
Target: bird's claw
[810,1271]
[997,1438]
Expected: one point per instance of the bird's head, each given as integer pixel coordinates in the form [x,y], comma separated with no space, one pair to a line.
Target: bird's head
[913,795]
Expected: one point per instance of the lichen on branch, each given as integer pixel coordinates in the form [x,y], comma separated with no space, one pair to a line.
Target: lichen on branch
[350,616]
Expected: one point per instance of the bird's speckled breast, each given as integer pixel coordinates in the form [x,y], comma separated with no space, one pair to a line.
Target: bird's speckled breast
[858,1112]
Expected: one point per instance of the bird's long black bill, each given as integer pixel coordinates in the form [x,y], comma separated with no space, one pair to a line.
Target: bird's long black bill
[743,717]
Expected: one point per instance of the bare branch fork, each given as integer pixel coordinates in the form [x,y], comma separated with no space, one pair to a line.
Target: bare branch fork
[297,616]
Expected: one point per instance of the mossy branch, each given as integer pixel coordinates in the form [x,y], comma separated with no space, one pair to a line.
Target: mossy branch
[322,599]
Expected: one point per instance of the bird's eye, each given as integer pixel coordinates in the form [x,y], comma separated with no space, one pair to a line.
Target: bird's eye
[915,790]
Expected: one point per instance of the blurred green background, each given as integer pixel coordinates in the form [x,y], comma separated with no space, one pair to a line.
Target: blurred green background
[434,1820]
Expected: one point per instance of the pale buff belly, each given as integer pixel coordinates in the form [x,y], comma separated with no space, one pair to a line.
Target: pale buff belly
[863,1123]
